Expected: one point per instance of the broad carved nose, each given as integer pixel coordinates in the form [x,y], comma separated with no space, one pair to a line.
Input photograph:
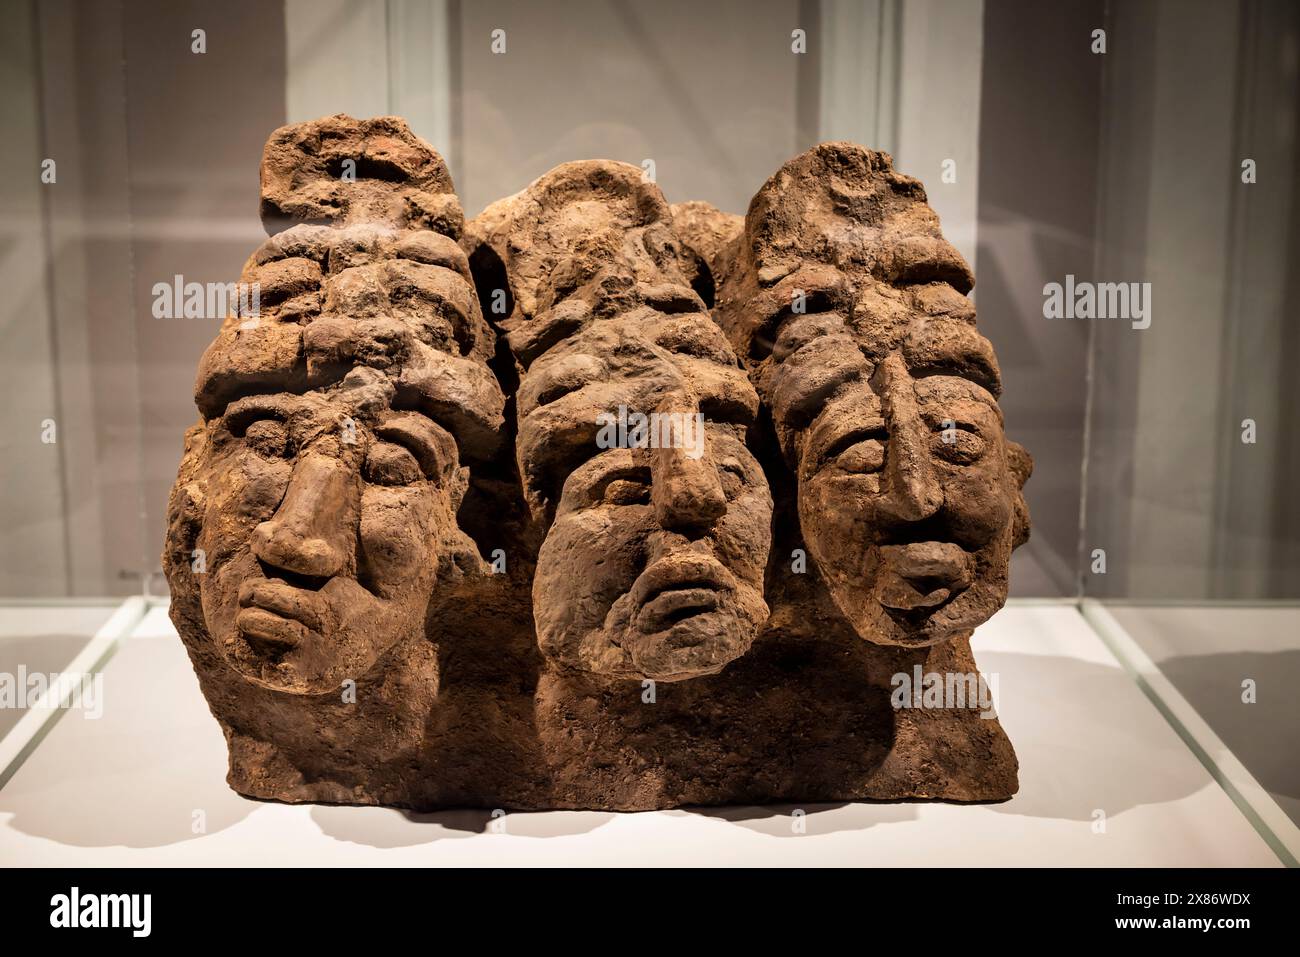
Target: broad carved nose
[686,491]
[311,533]
[911,491]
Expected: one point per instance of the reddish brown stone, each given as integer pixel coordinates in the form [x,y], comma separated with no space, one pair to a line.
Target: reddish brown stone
[416,565]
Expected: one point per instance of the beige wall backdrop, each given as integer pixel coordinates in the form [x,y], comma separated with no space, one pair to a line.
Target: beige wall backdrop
[159,149]
[710,93]
[156,150]
[1119,166]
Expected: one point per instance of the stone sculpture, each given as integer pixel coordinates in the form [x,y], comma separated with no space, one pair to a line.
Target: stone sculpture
[594,502]
[313,530]
[851,309]
[605,324]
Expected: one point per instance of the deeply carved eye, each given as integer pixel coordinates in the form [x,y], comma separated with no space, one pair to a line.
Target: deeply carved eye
[624,491]
[698,345]
[859,450]
[267,437]
[557,391]
[958,445]
[733,479]
[862,457]
[389,464]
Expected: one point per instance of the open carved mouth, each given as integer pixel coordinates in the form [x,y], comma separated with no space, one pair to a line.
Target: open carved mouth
[303,582]
[675,589]
[917,615]
[918,579]
[673,605]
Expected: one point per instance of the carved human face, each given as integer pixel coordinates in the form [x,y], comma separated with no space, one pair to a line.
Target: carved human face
[633,360]
[327,518]
[654,565]
[908,502]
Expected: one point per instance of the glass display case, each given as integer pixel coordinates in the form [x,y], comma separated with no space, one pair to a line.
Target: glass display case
[1123,178]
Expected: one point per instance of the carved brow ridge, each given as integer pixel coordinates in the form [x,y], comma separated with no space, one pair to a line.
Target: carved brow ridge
[768,327]
[243,411]
[421,436]
[982,392]
[278,404]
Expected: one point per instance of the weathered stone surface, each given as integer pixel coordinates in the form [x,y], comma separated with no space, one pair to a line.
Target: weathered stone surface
[499,514]
[338,170]
[653,560]
[850,309]
[317,545]
[709,237]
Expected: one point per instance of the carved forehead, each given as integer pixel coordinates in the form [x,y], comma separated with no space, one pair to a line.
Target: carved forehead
[580,379]
[847,206]
[395,306]
[391,175]
[682,353]
[618,342]
[574,221]
[335,249]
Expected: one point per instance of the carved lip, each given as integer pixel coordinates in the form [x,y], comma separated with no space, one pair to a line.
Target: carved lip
[269,632]
[689,570]
[676,588]
[271,607]
[674,605]
[918,615]
[900,595]
[919,578]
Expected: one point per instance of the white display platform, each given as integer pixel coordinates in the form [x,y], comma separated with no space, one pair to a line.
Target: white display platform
[144,785]
[1206,652]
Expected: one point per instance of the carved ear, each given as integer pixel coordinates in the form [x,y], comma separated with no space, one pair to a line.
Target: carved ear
[459,486]
[1020,461]
[1021,464]
[184,523]
[185,512]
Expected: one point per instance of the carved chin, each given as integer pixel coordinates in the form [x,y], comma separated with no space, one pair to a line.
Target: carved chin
[690,649]
[879,619]
[266,656]
[282,655]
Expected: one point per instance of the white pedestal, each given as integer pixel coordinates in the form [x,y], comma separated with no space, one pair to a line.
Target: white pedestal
[145,785]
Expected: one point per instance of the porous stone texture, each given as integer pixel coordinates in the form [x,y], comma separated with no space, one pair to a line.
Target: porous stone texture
[850,308]
[321,551]
[594,502]
[338,170]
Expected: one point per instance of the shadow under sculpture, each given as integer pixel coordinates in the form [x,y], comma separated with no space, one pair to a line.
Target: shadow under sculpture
[389,601]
